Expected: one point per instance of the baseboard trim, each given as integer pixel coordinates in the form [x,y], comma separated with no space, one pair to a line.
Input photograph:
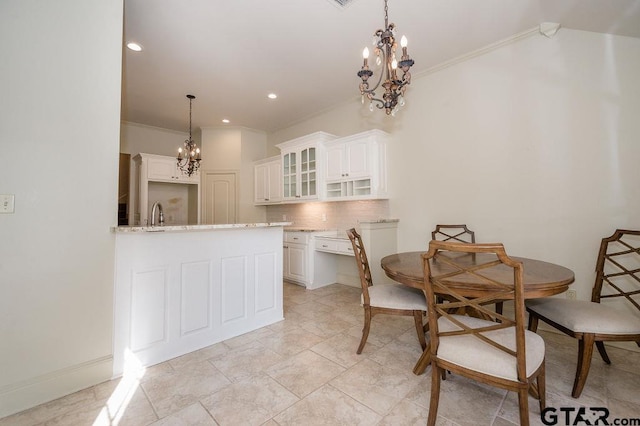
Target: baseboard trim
[348,280]
[25,394]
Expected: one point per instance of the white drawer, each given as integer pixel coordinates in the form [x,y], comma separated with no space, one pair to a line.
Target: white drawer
[323,244]
[296,237]
[345,247]
[334,245]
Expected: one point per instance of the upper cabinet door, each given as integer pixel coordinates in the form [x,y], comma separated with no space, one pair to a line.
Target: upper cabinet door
[162,169]
[308,173]
[261,183]
[358,159]
[335,162]
[275,181]
[268,181]
[290,175]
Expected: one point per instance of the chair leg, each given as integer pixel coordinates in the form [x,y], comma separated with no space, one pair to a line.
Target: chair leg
[435,394]
[542,388]
[365,329]
[417,316]
[585,352]
[533,322]
[603,352]
[523,405]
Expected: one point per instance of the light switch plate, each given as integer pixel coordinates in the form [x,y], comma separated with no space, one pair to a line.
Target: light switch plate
[7,203]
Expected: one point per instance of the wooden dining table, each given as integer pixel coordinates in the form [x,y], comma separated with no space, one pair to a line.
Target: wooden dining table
[541,279]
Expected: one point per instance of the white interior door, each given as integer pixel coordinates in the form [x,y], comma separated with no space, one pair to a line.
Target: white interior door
[219,197]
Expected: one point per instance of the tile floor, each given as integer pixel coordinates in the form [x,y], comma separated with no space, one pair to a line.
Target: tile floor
[304,371]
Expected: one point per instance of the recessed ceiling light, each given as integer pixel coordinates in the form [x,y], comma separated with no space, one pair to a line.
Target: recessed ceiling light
[225,120]
[272,96]
[134,46]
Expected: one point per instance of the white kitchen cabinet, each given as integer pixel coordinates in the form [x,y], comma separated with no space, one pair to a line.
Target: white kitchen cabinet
[297,262]
[356,167]
[349,160]
[302,264]
[303,166]
[156,178]
[161,168]
[268,181]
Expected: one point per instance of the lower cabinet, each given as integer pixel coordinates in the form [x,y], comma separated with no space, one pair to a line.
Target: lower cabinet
[296,255]
[302,264]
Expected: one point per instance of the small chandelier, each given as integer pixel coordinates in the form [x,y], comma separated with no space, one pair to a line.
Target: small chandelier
[385,51]
[189,159]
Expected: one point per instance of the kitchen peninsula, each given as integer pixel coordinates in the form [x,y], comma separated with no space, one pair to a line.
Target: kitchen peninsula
[181,288]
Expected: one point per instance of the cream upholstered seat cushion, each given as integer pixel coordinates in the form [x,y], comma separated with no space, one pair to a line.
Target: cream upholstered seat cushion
[585,317]
[396,297]
[472,353]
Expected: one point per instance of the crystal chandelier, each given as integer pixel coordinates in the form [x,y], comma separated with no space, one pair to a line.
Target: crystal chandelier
[385,50]
[189,159]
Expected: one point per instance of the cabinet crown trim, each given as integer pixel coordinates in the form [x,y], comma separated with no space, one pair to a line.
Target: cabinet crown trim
[375,134]
[317,137]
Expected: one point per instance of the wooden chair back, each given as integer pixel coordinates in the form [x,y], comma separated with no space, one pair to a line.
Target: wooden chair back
[362,262]
[618,269]
[469,266]
[458,233]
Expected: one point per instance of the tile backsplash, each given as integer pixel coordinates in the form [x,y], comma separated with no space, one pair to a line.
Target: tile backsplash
[340,215]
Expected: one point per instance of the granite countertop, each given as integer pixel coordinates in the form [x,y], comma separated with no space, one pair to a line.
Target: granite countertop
[294,229]
[182,228]
[379,221]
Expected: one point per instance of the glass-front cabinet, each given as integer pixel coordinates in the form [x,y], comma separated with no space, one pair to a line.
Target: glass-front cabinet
[308,173]
[301,166]
[289,175]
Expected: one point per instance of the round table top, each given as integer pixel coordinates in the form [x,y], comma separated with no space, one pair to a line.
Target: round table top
[541,279]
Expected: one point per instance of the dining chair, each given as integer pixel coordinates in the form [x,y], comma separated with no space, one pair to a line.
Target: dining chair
[453,232]
[386,299]
[487,347]
[617,284]
[460,233]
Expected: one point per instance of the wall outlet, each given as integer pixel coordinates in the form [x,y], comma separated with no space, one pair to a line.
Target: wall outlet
[7,203]
[571,294]
[324,217]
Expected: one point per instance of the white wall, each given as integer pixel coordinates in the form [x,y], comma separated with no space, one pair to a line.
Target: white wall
[136,138]
[235,149]
[59,137]
[534,144]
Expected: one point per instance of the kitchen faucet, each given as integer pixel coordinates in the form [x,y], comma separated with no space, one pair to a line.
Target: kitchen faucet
[157,206]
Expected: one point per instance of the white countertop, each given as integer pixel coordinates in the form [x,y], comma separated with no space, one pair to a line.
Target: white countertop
[182,228]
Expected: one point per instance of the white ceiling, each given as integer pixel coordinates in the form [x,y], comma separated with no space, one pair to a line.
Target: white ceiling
[231,54]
